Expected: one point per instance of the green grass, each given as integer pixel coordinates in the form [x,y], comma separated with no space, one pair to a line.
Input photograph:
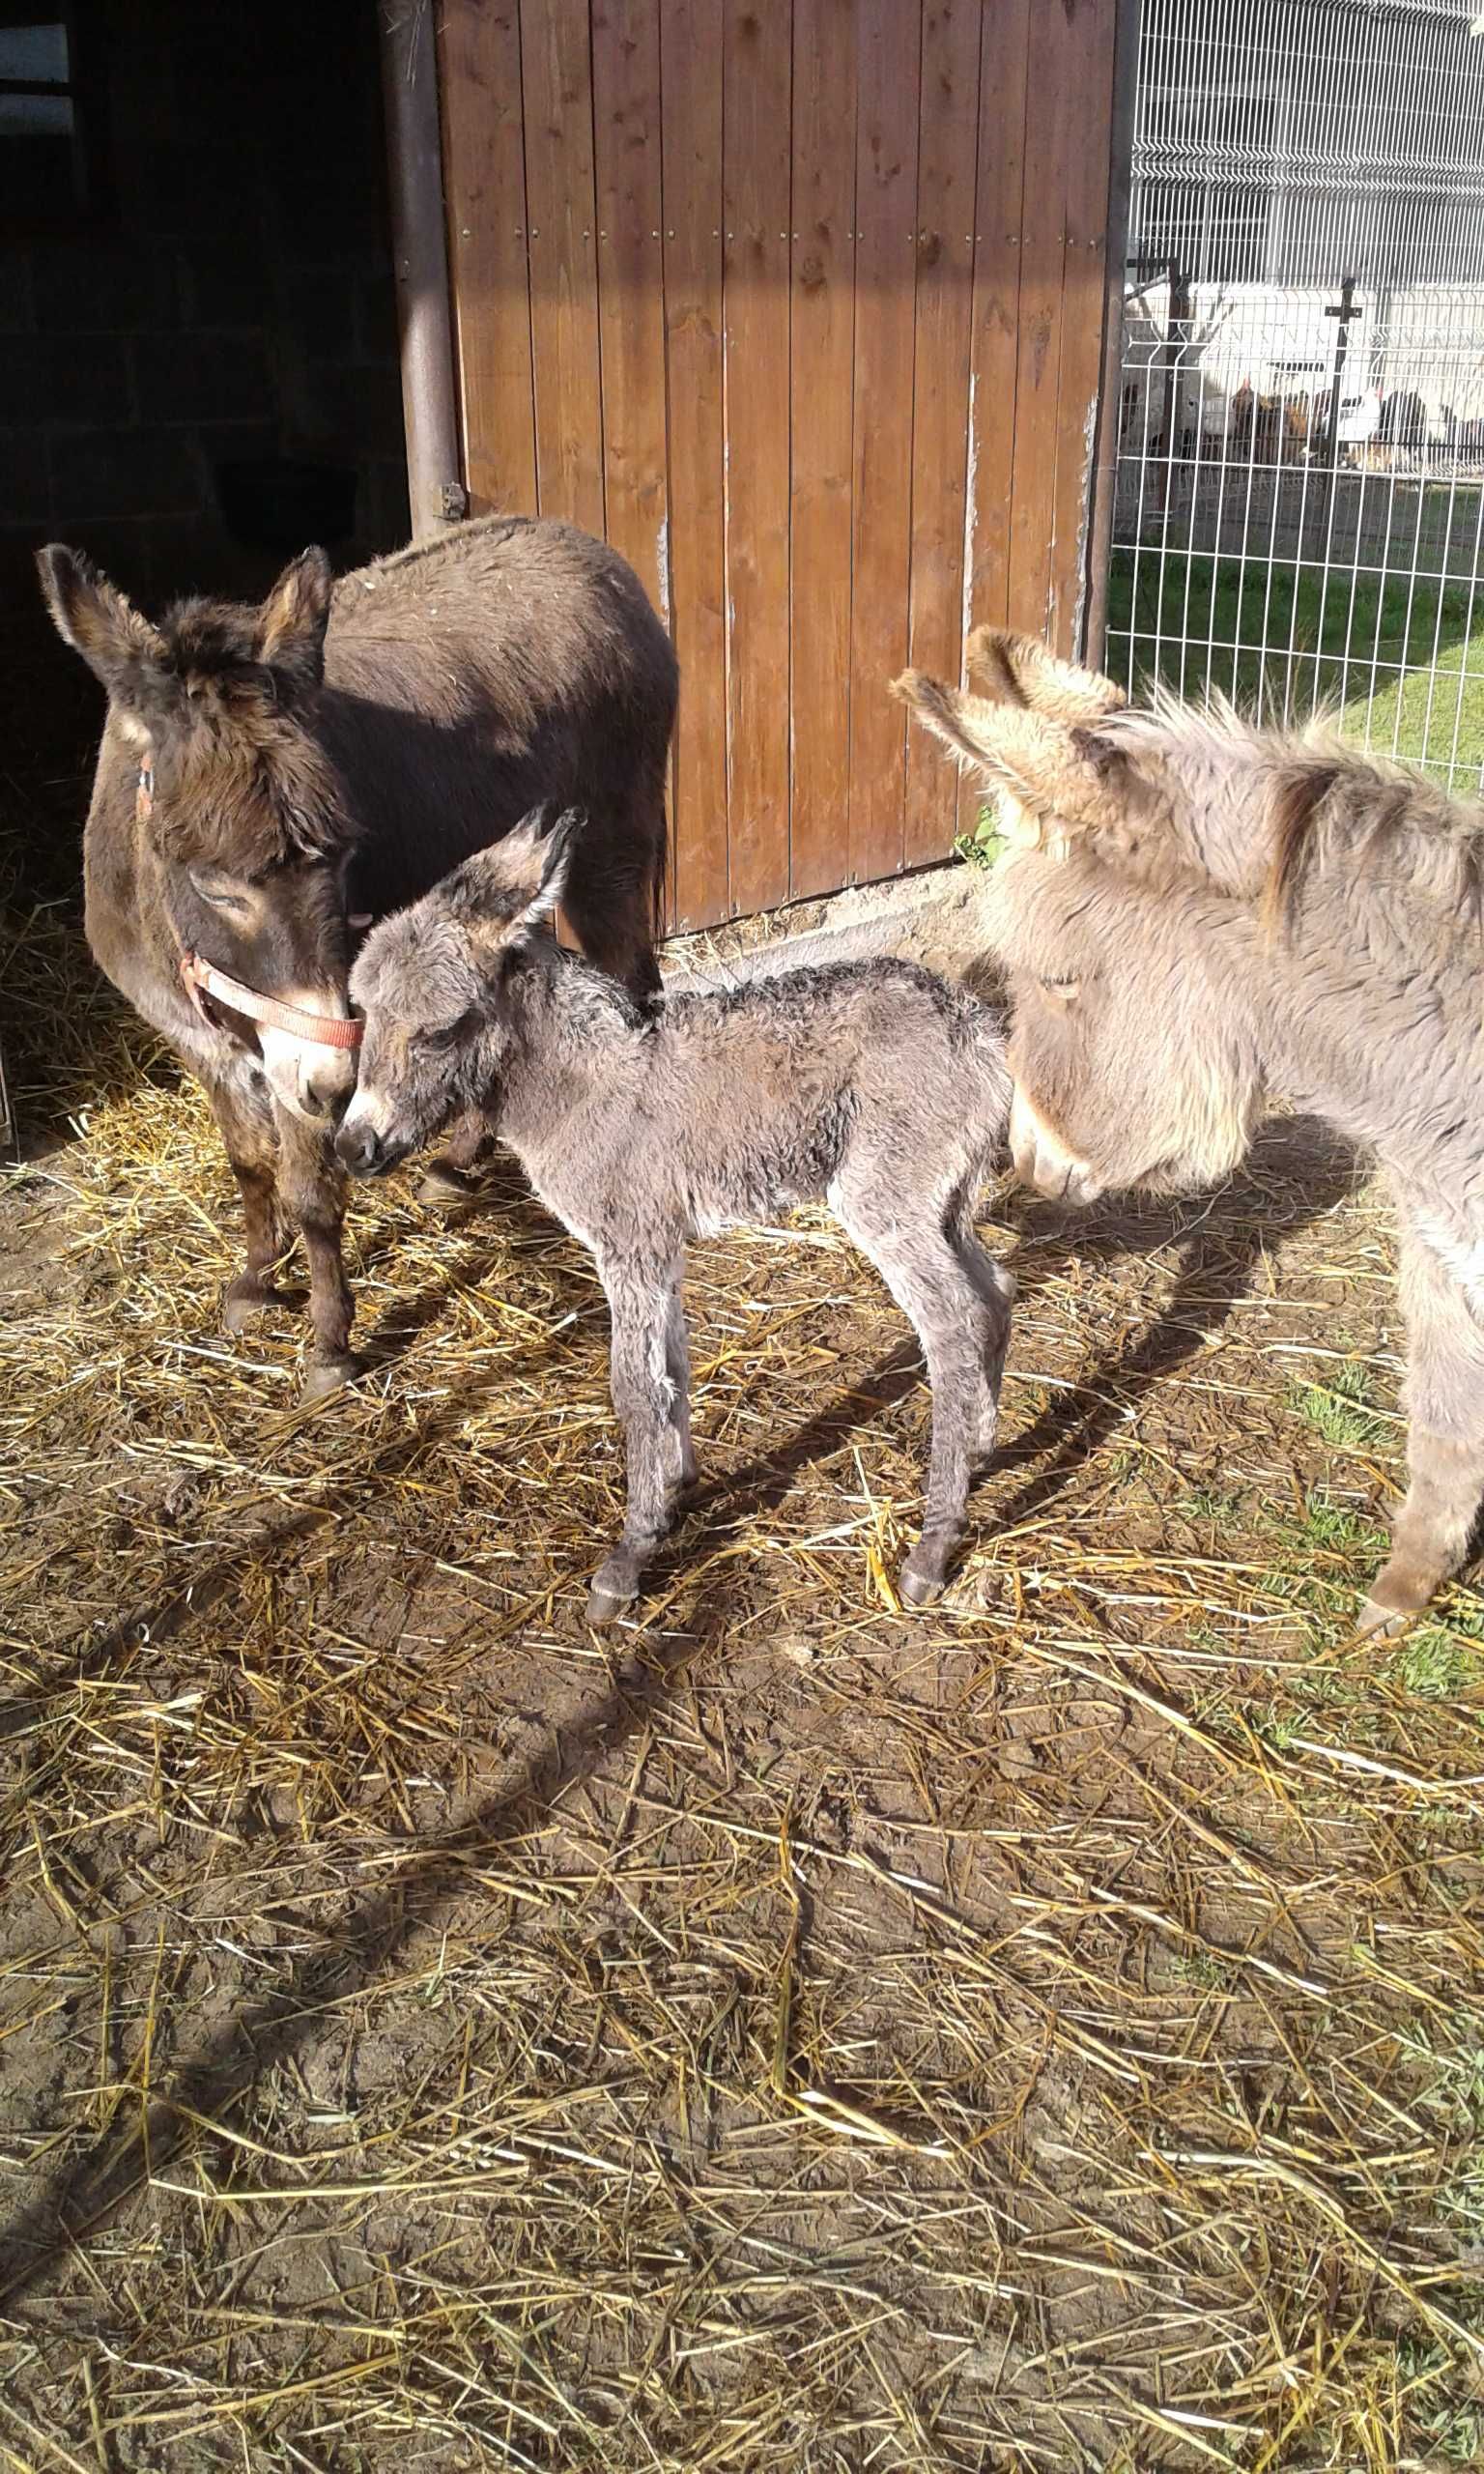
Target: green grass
[1340,1410]
[1192,601]
[1436,1665]
[982,847]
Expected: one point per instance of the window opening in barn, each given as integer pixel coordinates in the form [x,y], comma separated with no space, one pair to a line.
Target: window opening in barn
[43,165]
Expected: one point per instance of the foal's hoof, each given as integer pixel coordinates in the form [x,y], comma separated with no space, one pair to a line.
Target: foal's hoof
[246,1299]
[615,1586]
[324,1375]
[604,1604]
[919,1584]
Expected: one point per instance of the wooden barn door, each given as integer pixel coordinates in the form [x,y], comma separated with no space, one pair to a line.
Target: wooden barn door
[800,304]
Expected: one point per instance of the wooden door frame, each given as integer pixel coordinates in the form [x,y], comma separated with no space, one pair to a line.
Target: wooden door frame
[419,247]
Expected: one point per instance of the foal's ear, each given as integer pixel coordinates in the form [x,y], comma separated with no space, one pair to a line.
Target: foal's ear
[1019,670]
[292,619]
[92,616]
[1058,779]
[520,879]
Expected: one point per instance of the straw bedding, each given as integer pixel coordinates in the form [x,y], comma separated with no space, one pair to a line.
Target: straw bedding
[785,2033]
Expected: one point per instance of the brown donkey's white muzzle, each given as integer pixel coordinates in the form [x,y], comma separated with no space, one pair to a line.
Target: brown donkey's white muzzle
[1042,1159]
[311,1080]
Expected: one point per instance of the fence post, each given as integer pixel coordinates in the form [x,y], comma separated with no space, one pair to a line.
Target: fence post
[1177,338]
[1344,310]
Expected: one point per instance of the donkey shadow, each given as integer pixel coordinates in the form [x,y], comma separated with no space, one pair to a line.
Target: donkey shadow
[485,1237]
[367,1936]
[1296,1172]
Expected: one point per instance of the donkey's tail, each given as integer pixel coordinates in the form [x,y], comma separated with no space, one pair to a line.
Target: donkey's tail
[659,883]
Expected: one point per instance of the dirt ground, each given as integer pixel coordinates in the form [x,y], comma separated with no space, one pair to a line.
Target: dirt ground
[787,2034]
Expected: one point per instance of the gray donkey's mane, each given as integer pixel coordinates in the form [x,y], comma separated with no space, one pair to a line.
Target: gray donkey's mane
[1328,806]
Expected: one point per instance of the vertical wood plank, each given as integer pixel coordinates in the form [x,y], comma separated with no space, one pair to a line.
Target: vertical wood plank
[563,258]
[885,268]
[1083,306]
[691,86]
[756,70]
[484,182]
[994,343]
[940,394]
[822,373]
[1054,85]
[631,290]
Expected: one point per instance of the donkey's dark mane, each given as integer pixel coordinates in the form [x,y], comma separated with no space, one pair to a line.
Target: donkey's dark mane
[241,783]
[1341,809]
[1332,807]
[250,796]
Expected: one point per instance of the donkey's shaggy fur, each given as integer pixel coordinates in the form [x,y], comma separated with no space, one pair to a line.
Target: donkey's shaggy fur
[1199,913]
[872,1084]
[269,776]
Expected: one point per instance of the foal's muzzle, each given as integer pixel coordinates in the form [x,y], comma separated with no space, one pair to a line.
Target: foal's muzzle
[364,1152]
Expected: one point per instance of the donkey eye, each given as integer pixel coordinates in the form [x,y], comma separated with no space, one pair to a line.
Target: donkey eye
[444,1035]
[221,897]
[1064,988]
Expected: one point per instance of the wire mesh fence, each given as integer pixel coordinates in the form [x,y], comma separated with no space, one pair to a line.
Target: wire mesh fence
[1299,505]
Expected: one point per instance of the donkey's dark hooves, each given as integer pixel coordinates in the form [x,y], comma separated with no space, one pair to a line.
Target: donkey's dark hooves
[1378,1622]
[248,1298]
[604,1604]
[918,1588]
[326,1374]
[444,1186]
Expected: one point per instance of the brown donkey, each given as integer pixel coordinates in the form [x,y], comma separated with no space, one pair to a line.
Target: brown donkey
[1195,915]
[270,781]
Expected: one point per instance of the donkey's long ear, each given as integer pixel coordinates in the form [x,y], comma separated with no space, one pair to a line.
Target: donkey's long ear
[292,621]
[1019,670]
[1053,775]
[119,645]
[516,883]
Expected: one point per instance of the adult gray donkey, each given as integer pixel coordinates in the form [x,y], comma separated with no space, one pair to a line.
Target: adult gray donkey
[1195,915]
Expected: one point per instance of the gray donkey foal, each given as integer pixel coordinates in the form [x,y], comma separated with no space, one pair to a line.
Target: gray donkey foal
[873,1086]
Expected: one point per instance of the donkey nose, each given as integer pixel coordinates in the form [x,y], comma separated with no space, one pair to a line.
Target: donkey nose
[326,1085]
[358,1148]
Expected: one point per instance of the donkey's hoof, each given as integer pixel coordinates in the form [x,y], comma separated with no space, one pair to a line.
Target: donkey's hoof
[919,1584]
[604,1604]
[248,1298]
[324,1375]
[1378,1622]
[443,1187]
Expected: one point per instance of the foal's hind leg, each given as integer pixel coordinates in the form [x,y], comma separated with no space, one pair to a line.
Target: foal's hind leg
[246,1128]
[958,1327]
[644,1298]
[996,1287]
[678,1368]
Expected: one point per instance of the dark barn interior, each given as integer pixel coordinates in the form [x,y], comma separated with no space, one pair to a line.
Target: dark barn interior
[199,370]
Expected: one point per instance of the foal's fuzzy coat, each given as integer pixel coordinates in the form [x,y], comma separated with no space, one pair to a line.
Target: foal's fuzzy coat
[872,1084]
[1199,913]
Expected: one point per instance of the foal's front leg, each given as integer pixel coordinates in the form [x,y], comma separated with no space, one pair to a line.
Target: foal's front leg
[1444,1400]
[313,1190]
[643,1300]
